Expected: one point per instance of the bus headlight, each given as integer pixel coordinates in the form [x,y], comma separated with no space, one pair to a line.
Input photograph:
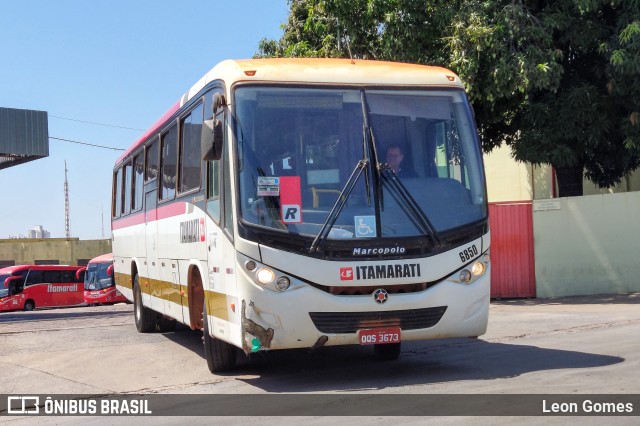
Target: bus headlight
[465,276]
[265,275]
[283,283]
[478,269]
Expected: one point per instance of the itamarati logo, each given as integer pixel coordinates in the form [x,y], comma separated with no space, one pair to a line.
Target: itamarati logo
[375,272]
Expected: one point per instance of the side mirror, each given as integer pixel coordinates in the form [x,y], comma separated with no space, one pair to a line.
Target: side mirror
[110,270]
[9,279]
[212,136]
[79,272]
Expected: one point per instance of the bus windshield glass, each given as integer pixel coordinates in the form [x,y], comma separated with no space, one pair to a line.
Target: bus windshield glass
[4,291]
[96,277]
[385,163]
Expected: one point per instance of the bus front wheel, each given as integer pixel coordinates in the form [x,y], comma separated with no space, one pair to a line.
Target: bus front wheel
[29,305]
[145,317]
[220,355]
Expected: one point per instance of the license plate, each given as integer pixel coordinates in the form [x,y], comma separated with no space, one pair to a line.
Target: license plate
[378,336]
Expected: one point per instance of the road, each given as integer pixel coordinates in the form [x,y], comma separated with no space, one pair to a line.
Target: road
[579,345]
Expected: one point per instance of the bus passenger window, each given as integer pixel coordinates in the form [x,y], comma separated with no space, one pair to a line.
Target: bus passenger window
[117,193]
[168,163]
[126,186]
[51,277]
[191,128]
[138,167]
[151,170]
[34,277]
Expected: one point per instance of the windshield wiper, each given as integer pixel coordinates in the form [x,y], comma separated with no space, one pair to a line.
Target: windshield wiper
[410,204]
[340,203]
[368,148]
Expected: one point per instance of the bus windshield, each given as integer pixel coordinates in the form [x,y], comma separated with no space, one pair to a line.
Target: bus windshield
[384,163]
[4,291]
[96,277]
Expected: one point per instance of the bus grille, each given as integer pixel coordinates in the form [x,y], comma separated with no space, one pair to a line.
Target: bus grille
[350,322]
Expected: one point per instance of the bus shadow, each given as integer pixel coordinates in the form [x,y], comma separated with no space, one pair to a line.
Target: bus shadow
[353,368]
[58,314]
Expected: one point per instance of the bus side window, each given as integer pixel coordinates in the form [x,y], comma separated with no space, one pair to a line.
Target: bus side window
[51,277]
[117,193]
[16,287]
[168,160]
[138,169]
[226,182]
[35,277]
[191,130]
[151,158]
[126,188]
[68,277]
[213,168]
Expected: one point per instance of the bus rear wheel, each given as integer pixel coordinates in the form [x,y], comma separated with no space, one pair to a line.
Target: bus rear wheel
[220,355]
[145,317]
[29,305]
[386,352]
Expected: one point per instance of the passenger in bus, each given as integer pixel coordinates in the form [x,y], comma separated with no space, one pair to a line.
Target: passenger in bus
[395,156]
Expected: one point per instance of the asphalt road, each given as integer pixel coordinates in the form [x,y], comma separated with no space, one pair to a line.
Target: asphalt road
[580,345]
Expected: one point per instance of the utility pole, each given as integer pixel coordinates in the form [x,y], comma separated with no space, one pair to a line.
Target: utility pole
[102,219]
[67,231]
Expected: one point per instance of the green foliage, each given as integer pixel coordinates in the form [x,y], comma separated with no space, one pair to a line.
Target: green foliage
[559,81]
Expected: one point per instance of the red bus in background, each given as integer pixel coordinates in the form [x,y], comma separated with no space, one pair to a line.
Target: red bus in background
[40,286]
[99,284]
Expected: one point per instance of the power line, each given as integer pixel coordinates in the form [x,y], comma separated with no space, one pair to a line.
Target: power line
[97,124]
[89,144]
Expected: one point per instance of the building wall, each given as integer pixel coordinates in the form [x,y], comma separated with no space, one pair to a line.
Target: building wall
[587,245]
[507,179]
[65,251]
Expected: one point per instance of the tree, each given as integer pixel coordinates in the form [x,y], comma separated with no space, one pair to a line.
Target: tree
[558,81]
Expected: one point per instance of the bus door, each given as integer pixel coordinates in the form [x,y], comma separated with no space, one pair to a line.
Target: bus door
[151,241]
[221,285]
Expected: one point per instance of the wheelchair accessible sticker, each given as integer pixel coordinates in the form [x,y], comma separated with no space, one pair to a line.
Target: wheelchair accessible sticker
[365,226]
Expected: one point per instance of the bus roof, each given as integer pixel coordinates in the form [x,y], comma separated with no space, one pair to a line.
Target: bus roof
[108,257]
[310,70]
[16,268]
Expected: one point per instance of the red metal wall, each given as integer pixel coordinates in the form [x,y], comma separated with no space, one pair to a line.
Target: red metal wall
[512,257]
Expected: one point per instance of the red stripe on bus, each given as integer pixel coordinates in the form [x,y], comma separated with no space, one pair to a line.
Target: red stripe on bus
[163,212]
[127,221]
[170,210]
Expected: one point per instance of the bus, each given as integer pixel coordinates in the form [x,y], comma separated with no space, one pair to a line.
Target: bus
[28,287]
[99,284]
[268,208]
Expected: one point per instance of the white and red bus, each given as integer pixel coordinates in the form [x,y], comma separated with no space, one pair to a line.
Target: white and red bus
[99,283]
[299,203]
[29,287]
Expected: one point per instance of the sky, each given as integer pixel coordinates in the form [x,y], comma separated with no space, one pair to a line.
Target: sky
[119,63]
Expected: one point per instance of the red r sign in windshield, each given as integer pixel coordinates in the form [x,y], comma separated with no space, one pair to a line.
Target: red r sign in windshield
[290,199]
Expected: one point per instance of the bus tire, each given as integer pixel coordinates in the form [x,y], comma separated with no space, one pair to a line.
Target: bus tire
[145,317]
[29,305]
[220,355]
[386,352]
